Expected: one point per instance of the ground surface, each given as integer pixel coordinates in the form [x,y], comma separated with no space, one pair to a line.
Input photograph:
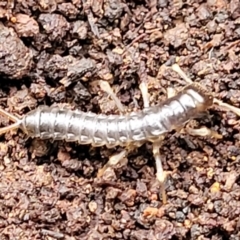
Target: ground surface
[55,52]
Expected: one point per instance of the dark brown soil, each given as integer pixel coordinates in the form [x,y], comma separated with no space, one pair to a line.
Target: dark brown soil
[56,51]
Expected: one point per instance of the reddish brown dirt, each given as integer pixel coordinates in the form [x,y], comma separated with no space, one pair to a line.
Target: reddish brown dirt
[54,52]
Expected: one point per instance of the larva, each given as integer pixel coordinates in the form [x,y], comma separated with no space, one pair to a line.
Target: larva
[112,130]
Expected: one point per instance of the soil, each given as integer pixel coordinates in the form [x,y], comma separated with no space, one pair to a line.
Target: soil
[55,52]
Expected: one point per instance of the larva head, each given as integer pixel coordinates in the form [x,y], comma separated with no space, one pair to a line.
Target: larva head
[203,99]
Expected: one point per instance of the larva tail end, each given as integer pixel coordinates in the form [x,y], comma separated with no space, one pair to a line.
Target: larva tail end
[17,122]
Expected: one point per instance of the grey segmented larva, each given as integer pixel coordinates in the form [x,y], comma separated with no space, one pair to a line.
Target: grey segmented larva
[112,130]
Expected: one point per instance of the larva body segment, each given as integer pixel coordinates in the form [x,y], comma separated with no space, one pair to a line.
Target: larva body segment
[112,130]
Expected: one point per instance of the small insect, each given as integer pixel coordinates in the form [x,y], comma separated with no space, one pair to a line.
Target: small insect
[134,129]
[114,130]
